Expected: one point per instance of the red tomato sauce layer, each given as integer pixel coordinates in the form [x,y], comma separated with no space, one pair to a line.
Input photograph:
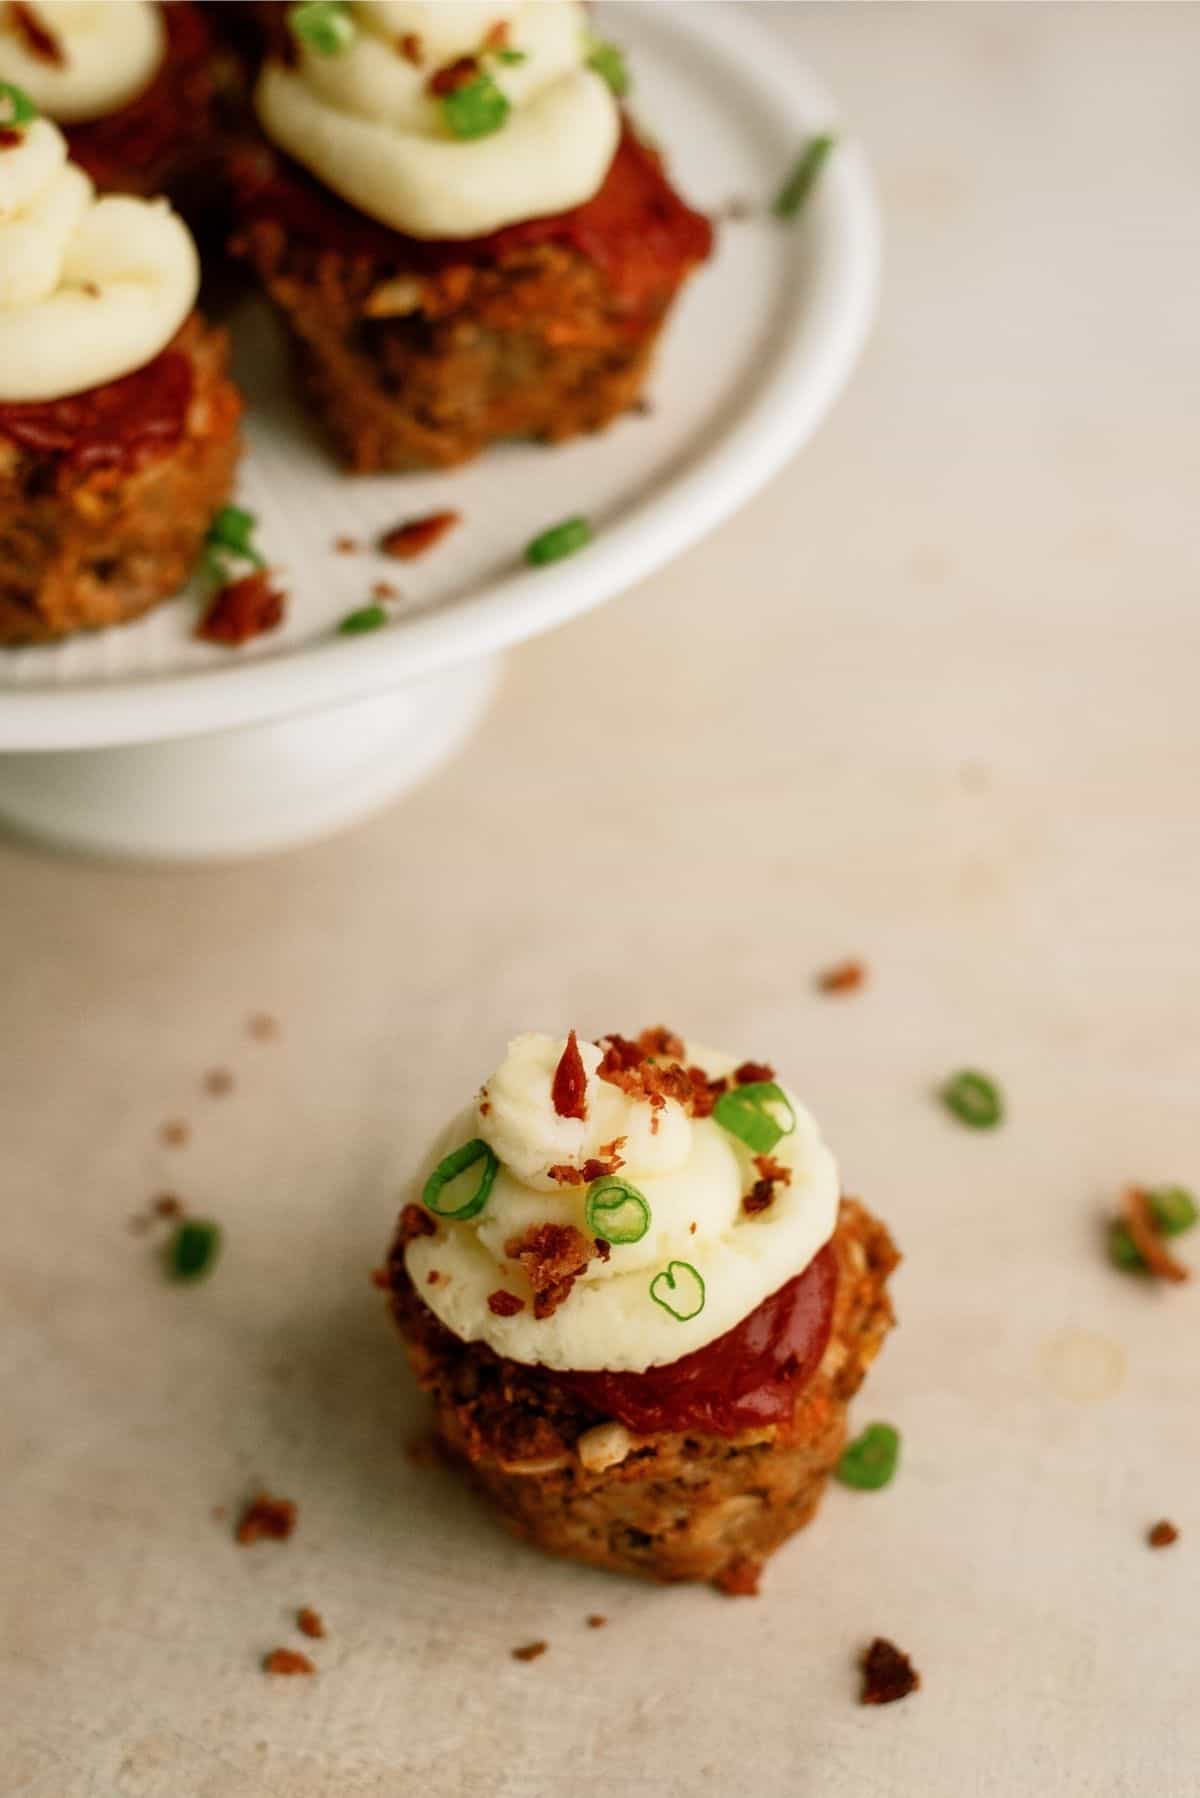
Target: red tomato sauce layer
[120,424]
[152,126]
[745,1379]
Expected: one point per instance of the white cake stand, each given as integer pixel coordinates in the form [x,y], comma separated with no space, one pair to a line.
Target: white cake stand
[144,742]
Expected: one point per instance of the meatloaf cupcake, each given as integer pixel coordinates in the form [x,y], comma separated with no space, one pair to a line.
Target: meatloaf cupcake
[629,1282]
[118,424]
[140,89]
[464,237]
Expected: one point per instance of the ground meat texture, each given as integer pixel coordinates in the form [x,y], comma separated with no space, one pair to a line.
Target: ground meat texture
[93,539]
[420,355]
[670,1506]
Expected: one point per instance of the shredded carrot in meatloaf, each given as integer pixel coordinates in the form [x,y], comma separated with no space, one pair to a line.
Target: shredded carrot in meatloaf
[553,1257]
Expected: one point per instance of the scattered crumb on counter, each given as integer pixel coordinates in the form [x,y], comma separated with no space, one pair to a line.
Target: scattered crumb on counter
[310,1622]
[740,1579]
[347,546]
[218,1082]
[287,1660]
[175,1133]
[843,977]
[530,1652]
[384,590]
[167,1204]
[262,1026]
[596,1621]
[1163,1534]
[266,1519]
[243,610]
[888,1675]
[416,536]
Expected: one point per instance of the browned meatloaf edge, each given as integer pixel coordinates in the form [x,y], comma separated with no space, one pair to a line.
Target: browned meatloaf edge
[670,1506]
[420,355]
[93,540]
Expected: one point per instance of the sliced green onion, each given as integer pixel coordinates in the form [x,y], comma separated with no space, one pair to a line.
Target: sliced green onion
[326,26]
[743,1111]
[974,1099]
[231,529]
[609,63]
[193,1249]
[1122,1250]
[16,108]
[801,181]
[1173,1209]
[616,1210]
[679,1289]
[511,57]
[450,1169]
[367,618]
[559,541]
[476,109]
[870,1461]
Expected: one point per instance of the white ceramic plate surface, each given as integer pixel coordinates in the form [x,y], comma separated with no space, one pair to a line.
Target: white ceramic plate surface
[754,355]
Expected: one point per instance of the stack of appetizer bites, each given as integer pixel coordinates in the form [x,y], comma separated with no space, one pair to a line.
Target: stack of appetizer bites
[118,424]
[464,236]
[640,1304]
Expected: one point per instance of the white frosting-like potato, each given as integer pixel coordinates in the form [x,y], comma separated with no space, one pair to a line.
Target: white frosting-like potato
[110,51]
[365,123]
[693,1175]
[90,289]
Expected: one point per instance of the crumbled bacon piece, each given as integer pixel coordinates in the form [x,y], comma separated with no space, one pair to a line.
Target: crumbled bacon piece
[347,546]
[242,610]
[453,75]
[415,1221]
[760,1198]
[496,36]
[1162,1535]
[740,1579]
[384,590]
[603,1248]
[432,1277]
[1147,1240]
[175,1133]
[568,1089]
[752,1073]
[310,1622]
[504,1304]
[770,1169]
[167,1205]
[530,1651]
[11,136]
[771,1173]
[415,536]
[266,1519]
[844,977]
[553,1257]
[287,1660]
[887,1674]
[611,1152]
[705,1092]
[596,1621]
[412,49]
[661,1041]
[564,1174]
[594,1169]
[218,1082]
[40,41]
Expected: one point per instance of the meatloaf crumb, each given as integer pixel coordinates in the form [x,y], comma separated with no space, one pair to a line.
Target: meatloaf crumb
[679,1505]
[266,1519]
[888,1674]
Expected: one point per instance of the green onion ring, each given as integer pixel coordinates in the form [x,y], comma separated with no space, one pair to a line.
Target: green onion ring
[973,1099]
[870,1461]
[454,1165]
[16,108]
[564,539]
[802,179]
[326,26]
[685,1284]
[743,1112]
[616,1211]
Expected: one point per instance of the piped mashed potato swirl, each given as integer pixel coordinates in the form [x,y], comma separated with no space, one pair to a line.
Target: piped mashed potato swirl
[97,55]
[90,289]
[693,1175]
[364,120]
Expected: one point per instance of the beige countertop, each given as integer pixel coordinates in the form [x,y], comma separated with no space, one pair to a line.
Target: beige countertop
[931,701]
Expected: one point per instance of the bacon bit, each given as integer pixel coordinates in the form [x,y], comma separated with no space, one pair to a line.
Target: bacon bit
[218,1082]
[310,1623]
[1146,1239]
[691,1229]
[485,1108]
[415,536]
[603,1248]
[504,1304]
[705,1092]
[752,1073]
[411,49]
[415,1221]
[661,1041]
[453,75]
[266,1519]
[243,609]
[40,41]
[887,1674]
[1162,1535]
[553,1256]
[287,1660]
[760,1197]
[596,1621]
[496,36]
[845,977]
[740,1579]
[167,1205]
[611,1152]
[381,1278]
[770,1169]
[91,290]
[347,546]
[530,1651]
[432,1277]
[11,136]
[175,1133]
[563,1174]
[382,590]
[598,1170]
[263,1027]
[568,1089]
